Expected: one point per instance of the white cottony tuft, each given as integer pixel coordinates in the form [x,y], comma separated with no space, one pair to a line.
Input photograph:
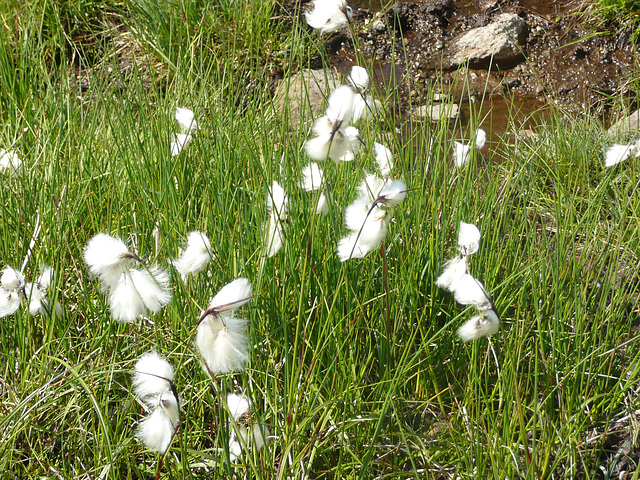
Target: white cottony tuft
[125,304]
[366,237]
[487,323]
[11,279]
[370,187]
[454,270]
[393,193]
[359,78]
[278,206]
[195,257]
[328,15]
[186,120]
[468,238]
[221,338]
[12,287]
[618,153]
[364,107]
[384,158]
[311,180]
[232,296]
[152,376]
[223,343]
[312,177]
[481,138]
[340,105]
[156,430]
[153,287]
[240,439]
[180,141]
[460,153]
[104,255]
[238,405]
[38,292]
[469,291]
[10,162]
[339,144]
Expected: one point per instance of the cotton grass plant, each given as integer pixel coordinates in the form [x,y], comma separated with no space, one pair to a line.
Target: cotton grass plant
[353,367]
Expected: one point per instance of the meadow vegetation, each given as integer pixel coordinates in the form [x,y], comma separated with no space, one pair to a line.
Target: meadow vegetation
[355,366]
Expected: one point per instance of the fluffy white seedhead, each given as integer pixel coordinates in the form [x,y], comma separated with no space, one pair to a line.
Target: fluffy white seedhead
[180,142]
[339,145]
[481,138]
[153,287]
[393,193]
[371,233]
[278,200]
[468,238]
[469,291]
[10,163]
[370,187]
[356,214]
[454,270]
[186,120]
[125,304]
[156,430]
[384,158]
[238,405]
[9,302]
[152,376]
[364,108]
[11,279]
[323,204]
[223,343]
[359,78]
[278,206]
[195,257]
[232,296]
[312,177]
[38,302]
[46,277]
[618,153]
[104,255]
[340,106]
[487,323]
[275,235]
[240,439]
[461,153]
[328,15]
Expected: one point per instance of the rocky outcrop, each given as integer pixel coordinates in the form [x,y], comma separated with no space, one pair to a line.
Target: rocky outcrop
[626,125]
[303,95]
[498,45]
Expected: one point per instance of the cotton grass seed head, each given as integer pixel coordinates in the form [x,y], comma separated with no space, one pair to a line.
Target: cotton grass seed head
[10,163]
[11,279]
[186,120]
[221,337]
[156,430]
[468,238]
[470,291]
[195,257]
[359,78]
[485,324]
[328,15]
[454,270]
[152,376]
[179,142]
[384,158]
[105,256]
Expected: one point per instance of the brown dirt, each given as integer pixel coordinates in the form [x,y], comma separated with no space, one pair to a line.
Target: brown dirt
[562,64]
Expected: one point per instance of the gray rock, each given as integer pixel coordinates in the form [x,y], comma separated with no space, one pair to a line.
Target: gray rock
[303,96]
[438,112]
[499,44]
[628,124]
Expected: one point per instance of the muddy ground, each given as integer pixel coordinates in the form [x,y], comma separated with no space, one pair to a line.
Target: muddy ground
[562,62]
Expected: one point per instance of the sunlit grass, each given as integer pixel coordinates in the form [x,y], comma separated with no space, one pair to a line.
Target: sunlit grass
[355,366]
